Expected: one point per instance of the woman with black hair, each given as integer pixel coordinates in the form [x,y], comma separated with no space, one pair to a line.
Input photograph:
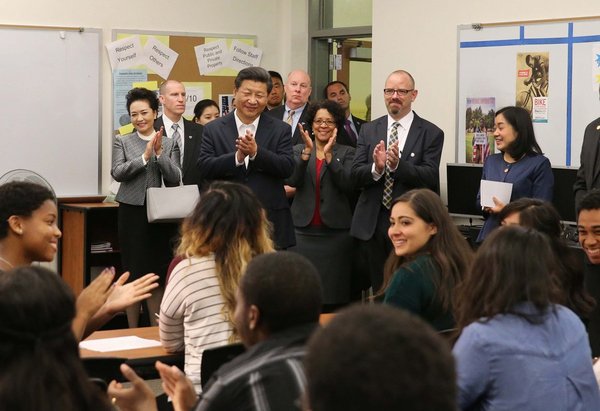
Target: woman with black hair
[519,162]
[140,160]
[41,369]
[518,349]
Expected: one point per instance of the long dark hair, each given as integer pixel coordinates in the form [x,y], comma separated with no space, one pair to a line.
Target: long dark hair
[447,247]
[512,266]
[41,369]
[542,216]
[525,142]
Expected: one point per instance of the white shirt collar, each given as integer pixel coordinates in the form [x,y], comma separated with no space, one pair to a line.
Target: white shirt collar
[405,121]
[243,127]
[168,124]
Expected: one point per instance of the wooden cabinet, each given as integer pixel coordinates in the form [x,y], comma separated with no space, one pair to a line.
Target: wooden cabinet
[82,225]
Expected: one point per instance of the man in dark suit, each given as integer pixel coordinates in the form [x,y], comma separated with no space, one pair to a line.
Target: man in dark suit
[338,91]
[400,151]
[172,97]
[297,91]
[252,148]
[588,175]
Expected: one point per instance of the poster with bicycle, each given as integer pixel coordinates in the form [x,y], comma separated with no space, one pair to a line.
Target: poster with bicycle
[532,84]
[479,136]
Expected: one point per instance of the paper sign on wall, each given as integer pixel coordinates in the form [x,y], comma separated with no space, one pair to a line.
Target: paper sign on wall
[159,58]
[244,55]
[192,97]
[211,56]
[125,53]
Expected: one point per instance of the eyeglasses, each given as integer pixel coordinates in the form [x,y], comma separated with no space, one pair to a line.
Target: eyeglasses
[328,123]
[400,91]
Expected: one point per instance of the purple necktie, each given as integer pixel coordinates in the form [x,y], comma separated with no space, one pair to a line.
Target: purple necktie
[349,131]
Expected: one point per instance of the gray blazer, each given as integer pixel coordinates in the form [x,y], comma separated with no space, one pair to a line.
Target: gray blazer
[335,188]
[128,167]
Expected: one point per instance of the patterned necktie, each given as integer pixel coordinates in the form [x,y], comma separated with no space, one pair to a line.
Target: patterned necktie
[349,131]
[177,140]
[388,184]
[290,117]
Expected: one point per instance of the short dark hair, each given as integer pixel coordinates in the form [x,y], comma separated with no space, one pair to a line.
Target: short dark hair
[376,357]
[36,340]
[258,74]
[591,201]
[202,105]
[286,289]
[20,198]
[331,83]
[525,142]
[336,111]
[276,75]
[140,93]
[513,265]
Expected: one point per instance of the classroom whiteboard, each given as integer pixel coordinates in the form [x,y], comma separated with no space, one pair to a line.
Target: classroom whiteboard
[50,114]
[487,68]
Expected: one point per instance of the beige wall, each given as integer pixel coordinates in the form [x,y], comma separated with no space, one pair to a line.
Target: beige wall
[421,37]
[278,24]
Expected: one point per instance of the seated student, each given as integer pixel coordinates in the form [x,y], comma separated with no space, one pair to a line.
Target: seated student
[378,358]
[518,350]
[428,259]
[278,307]
[29,232]
[542,216]
[227,228]
[41,369]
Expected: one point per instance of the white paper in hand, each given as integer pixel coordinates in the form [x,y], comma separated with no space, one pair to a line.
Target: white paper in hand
[489,189]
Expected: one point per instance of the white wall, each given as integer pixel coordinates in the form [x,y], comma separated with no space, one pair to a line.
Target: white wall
[280,27]
[421,37]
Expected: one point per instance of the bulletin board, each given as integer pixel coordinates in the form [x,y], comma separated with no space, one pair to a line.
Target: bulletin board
[502,64]
[185,69]
[51,105]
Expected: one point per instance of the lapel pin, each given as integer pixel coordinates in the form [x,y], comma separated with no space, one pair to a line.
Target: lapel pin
[412,154]
[597,127]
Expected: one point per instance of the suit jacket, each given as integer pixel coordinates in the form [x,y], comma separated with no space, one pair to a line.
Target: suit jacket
[342,135]
[418,168]
[279,112]
[128,167]
[192,133]
[265,174]
[588,175]
[335,188]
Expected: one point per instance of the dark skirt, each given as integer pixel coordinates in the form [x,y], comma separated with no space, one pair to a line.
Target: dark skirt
[332,252]
[145,247]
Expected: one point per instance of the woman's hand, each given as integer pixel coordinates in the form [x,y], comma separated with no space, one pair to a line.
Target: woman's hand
[123,295]
[157,142]
[308,143]
[498,206]
[328,149]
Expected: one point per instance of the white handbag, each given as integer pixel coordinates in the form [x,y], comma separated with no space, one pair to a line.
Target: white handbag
[170,204]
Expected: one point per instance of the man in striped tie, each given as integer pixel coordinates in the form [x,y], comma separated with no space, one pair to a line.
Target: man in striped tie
[395,153]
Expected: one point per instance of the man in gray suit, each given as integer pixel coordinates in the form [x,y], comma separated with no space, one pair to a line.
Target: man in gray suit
[395,153]
[188,135]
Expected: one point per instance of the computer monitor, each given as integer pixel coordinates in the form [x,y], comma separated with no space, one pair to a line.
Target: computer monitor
[463,182]
[564,199]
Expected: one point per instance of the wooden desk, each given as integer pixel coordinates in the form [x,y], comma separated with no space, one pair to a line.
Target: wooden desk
[105,365]
[150,333]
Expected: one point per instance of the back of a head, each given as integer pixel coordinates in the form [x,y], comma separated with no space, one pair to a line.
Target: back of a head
[513,265]
[41,369]
[379,358]
[285,287]
[535,213]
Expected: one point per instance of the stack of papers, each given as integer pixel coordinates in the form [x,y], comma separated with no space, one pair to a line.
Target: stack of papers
[101,247]
[118,344]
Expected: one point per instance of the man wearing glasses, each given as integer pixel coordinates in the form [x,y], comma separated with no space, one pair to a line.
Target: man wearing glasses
[394,154]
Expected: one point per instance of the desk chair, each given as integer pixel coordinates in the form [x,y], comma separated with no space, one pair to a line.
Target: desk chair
[214,358]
